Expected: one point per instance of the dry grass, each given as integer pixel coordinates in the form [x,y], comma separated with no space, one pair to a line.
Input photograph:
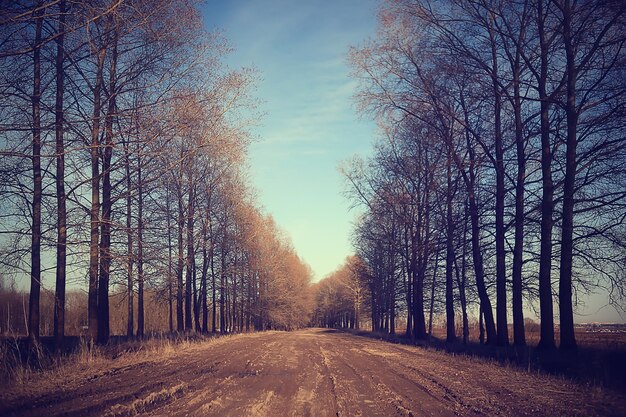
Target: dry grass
[18,373]
[18,366]
[600,360]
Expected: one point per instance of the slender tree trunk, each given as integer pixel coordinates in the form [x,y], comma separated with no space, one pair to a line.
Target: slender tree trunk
[169,256]
[460,280]
[409,286]
[35,259]
[432,295]
[547,205]
[501,310]
[477,257]
[130,324]
[190,258]
[213,284]
[226,305]
[463,282]
[95,200]
[566,311]
[105,224]
[450,256]
[424,253]
[180,324]
[419,243]
[61,256]
[203,283]
[222,289]
[249,303]
[196,297]
[357,309]
[392,304]
[234,294]
[181,259]
[519,337]
[479,272]
[419,323]
[140,260]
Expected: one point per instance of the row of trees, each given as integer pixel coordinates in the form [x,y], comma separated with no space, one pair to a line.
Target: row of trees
[500,172]
[123,143]
[341,297]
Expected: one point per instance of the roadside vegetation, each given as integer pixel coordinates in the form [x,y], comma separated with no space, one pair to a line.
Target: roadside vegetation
[125,203]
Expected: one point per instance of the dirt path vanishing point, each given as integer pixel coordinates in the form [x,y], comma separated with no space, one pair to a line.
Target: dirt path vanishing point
[314,372]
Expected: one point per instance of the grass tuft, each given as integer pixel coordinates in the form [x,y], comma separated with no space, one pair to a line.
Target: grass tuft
[20,364]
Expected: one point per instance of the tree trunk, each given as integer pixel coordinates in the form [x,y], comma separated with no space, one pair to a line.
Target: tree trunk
[35,258]
[450,256]
[95,200]
[463,282]
[196,297]
[566,311]
[61,256]
[432,295]
[519,338]
[190,258]
[181,259]
[105,224]
[477,258]
[409,286]
[419,323]
[501,311]
[213,284]
[547,205]
[140,272]
[460,280]
[130,323]
[222,289]
[203,284]
[169,256]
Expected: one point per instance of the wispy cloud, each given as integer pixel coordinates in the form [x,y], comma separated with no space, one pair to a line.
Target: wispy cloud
[300,49]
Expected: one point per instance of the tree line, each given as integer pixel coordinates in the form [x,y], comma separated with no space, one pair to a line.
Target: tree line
[123,142]
[498,179]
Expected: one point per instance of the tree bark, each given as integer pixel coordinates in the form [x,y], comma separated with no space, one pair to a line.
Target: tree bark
[213,283]
[169,257]
[519,337]
[190,259]
[463,278]
[180,325]
[203,283]
[566,311]
[95,199]
[140,260]
[547,204]
[450,327]
[223,288]
[61,256]
[105,224]
[35,258]
[501,311]
[130,322]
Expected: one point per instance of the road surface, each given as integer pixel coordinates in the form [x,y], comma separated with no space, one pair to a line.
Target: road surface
[313,372]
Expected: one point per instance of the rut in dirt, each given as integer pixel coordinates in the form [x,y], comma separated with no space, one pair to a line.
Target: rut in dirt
[313,372]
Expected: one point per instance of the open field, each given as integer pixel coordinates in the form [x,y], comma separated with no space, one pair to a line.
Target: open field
[599,361]
[313,372]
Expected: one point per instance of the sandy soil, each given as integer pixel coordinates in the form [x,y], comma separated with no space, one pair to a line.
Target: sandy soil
[313,372]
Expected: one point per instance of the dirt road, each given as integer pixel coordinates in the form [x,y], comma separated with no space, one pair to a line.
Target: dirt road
[313,372]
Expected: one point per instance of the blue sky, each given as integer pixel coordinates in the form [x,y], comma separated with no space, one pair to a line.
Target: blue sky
[311,125]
